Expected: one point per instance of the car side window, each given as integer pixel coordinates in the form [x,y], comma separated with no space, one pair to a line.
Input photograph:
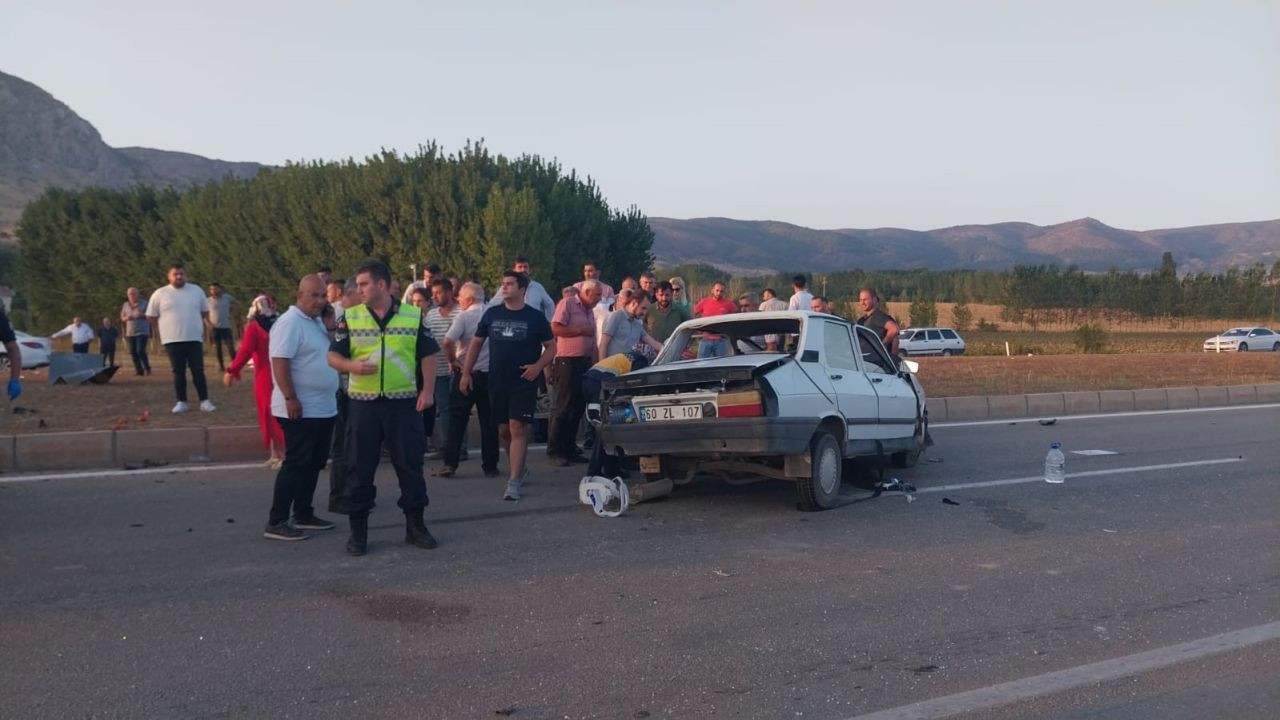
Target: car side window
[837,347]
[950,335]
[874,356]
[933,335]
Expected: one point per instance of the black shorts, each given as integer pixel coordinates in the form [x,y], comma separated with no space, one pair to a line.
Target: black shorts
[222,334]
[514,404]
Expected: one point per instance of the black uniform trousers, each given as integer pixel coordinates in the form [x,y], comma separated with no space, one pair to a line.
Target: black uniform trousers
[338,454]
[370,423]
[460,412]
[562,435]
[306,448]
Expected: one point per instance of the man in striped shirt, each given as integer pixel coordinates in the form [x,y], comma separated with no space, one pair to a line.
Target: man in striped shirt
[439,318]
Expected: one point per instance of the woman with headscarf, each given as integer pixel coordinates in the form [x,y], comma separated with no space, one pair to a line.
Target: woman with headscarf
[256,345]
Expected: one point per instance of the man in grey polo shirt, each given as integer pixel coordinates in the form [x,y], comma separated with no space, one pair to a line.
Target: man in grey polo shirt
[221,306]
[304,401]
[624,329]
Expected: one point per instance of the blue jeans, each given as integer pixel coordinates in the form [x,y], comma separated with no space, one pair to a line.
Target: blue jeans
[713,348]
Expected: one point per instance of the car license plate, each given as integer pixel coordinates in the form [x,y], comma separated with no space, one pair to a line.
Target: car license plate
[659,413]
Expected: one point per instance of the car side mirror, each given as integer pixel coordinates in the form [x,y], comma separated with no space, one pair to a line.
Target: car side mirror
[909,366]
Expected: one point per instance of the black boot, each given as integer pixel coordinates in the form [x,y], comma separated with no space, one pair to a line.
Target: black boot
[359,540]
[415,531]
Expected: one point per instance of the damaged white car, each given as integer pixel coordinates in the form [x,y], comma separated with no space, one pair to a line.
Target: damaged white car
[799,393]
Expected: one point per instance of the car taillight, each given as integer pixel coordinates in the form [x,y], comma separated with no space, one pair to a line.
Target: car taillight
[745,403]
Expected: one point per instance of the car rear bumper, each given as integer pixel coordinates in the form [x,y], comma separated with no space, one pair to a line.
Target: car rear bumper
[739,436]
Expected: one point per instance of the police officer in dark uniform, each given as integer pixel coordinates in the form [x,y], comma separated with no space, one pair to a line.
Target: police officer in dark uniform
[381,343]
[879,321]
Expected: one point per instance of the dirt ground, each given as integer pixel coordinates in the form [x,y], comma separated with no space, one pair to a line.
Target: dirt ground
[62,408]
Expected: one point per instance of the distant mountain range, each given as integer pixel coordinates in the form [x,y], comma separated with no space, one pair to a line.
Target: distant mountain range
[746,247]
[44,143]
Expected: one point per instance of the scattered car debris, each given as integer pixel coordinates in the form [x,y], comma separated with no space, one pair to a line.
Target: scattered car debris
[1049,421]
[935,460]
[949,501]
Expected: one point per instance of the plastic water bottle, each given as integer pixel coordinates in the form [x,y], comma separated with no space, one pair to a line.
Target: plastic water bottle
[1055,465]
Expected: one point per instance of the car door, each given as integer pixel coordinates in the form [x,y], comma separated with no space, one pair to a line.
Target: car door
[933,340]
[855,396]
[895,398]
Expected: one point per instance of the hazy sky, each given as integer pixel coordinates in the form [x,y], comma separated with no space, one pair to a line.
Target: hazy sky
[826,114]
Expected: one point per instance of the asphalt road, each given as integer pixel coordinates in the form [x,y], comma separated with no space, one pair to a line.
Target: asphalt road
[155,596]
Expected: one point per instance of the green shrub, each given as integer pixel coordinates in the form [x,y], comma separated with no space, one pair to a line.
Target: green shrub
[1089,338]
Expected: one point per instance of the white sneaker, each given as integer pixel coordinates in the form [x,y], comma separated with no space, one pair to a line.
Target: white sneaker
[181,407]
[207,406]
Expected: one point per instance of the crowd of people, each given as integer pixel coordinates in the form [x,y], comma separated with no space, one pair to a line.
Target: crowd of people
[358,369]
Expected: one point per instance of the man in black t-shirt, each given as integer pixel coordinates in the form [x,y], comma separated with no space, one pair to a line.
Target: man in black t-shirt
[879,321]
[520,348]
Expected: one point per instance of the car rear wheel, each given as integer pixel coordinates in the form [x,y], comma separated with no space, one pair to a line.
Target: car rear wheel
[1244,347]
[909,458]
[820,490]
[947,353]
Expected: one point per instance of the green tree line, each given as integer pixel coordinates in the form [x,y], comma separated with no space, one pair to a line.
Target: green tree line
[470,212]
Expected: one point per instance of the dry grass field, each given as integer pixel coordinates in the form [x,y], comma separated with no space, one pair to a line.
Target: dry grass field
[963,375]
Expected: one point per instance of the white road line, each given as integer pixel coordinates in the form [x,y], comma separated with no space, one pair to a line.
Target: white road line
[1087,473]
[1097,416]
[162,470]
[1070,678]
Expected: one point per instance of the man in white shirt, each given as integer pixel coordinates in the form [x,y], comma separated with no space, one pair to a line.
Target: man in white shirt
[801,299]
[430,274]
[457,341]
[303,401]
[771,302]
[178,312]
[80,333]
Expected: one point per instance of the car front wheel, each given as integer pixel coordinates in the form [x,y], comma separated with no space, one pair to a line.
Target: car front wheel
[820,490]
[1244,347]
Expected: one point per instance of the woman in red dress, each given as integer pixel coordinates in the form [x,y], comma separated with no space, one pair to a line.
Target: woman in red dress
[255,345]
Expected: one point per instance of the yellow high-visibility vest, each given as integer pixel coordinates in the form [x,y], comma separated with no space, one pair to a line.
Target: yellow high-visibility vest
[393,349]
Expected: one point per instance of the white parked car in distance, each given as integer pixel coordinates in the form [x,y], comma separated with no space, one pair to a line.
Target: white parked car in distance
[930,341]
[1244,339]
[792,414]
[35,350]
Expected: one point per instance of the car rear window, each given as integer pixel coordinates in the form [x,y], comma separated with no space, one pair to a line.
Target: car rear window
[950,335]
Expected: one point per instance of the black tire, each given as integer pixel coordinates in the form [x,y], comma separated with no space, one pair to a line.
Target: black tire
[1276,347]
[1244,347]
[909,458]
[821,489]
[948,353]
